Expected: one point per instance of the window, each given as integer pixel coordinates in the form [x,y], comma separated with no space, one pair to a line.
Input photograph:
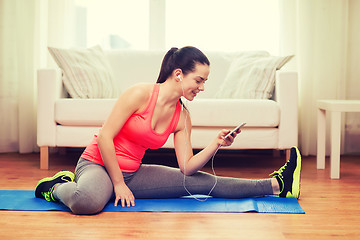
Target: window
[227,25]
[113,23]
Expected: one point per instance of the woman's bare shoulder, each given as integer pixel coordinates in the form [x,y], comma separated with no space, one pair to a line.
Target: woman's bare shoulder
[137,95]
[140,90]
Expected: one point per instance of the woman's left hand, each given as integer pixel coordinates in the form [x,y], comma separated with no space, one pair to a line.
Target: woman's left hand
[221,140]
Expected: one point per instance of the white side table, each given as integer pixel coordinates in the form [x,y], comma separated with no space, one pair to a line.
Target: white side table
[335,108]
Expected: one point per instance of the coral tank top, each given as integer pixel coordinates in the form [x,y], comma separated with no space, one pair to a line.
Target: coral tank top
[135,137]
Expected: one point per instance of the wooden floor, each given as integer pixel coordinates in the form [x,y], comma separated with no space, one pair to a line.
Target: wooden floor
[332,206]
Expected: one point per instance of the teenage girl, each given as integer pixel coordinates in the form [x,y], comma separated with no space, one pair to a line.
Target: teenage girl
[143,117]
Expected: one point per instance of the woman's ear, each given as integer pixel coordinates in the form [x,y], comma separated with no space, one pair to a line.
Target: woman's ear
[177,74]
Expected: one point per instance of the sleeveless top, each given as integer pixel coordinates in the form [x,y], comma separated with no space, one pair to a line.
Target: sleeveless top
[135,137]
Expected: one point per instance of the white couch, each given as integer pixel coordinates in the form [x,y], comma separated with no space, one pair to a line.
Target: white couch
[68,122]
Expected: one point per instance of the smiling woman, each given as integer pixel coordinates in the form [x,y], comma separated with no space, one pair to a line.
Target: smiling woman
[144,117]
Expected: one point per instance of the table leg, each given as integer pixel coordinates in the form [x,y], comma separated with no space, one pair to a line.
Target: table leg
[320,160]
[335,145]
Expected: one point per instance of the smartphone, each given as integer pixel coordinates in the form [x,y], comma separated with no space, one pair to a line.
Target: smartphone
[235,129]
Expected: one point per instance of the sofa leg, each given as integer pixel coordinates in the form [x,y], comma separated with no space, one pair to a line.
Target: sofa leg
[44,157]
[287,154]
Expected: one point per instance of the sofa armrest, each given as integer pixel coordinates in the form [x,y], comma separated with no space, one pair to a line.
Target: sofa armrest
[286,94]
[49,89]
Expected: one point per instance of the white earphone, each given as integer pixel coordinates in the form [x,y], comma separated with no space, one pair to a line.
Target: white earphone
[186,145]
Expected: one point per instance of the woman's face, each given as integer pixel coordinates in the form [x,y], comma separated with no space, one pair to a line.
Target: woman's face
[194,82]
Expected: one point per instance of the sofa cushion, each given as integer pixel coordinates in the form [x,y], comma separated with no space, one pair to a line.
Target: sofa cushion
[232,112]
[82,112]
[251,76]
[134,66]
[86,72]
[204,112]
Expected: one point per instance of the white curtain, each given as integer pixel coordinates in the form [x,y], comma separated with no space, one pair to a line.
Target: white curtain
[317,32]
[352,129]
[27,27]
[18,59]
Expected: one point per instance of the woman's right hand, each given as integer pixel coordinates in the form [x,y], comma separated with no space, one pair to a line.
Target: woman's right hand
[221,140]
[124,195]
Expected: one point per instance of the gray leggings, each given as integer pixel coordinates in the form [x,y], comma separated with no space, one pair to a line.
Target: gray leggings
[93,189]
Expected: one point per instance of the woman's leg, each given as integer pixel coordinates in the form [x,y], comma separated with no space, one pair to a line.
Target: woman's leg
[155,181]
[90,192]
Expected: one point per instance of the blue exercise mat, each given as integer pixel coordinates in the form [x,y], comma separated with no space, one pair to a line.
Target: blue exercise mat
[20,200]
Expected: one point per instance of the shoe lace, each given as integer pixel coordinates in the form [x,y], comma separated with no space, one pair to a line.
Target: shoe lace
[47,196]
[279,172]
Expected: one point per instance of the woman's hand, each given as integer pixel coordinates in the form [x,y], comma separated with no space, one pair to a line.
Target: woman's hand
[124,195]
[221,140]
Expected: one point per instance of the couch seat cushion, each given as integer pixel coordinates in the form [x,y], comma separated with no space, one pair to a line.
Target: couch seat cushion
[204,112]
[232,112]
[82,112]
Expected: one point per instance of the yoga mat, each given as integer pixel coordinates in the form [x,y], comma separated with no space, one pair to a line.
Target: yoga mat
[21,200]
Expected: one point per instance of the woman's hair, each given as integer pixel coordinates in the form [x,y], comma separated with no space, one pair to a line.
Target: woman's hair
[184,58]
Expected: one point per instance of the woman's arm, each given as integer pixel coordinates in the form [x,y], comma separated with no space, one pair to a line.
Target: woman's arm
[189,163]
[127,104]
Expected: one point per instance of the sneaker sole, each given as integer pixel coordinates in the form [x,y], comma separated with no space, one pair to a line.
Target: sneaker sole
[296,175]
[67,173]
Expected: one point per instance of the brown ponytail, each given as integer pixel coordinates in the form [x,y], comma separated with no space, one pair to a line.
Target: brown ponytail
[184,58]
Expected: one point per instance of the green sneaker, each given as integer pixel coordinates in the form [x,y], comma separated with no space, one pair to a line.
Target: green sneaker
[45,187]
[288,175]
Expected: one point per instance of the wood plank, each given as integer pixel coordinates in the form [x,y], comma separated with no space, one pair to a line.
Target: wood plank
[331,206]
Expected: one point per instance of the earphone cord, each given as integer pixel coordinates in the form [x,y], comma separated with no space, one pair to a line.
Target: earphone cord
[212,166]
